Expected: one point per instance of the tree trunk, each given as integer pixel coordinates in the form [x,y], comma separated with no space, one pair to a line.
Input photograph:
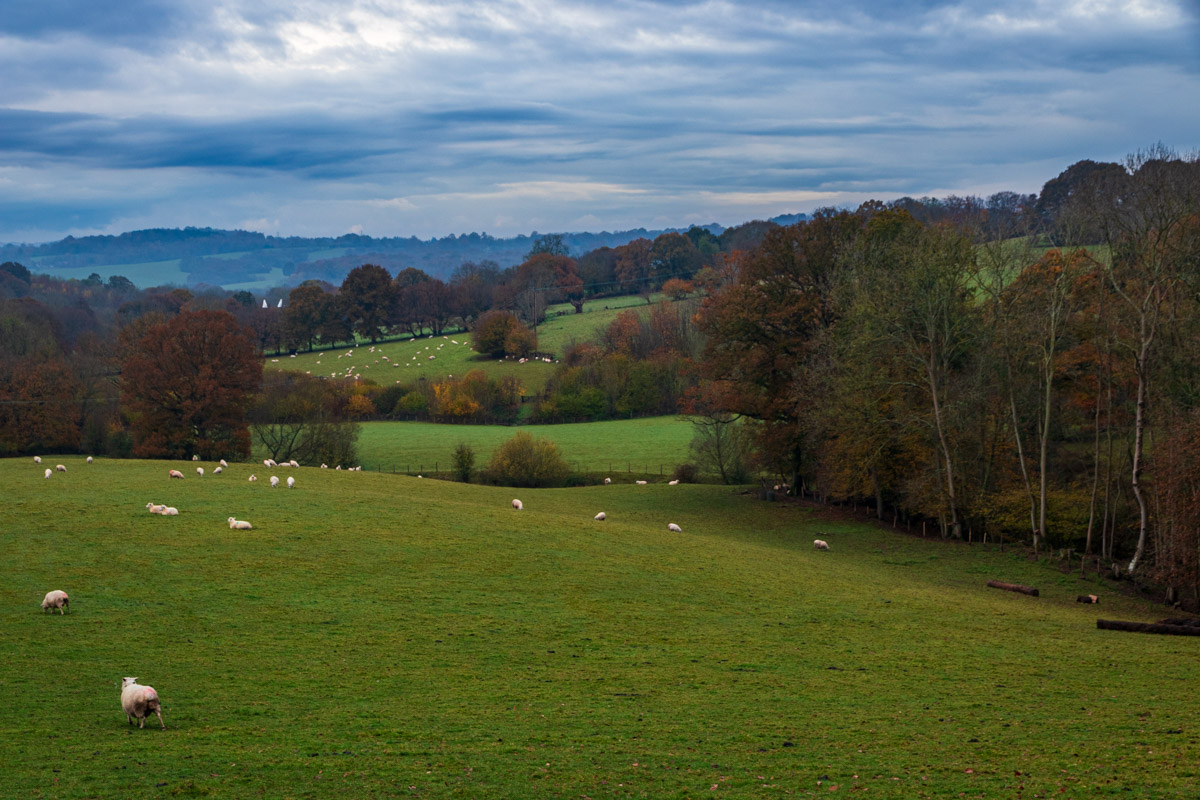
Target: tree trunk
[1139,427]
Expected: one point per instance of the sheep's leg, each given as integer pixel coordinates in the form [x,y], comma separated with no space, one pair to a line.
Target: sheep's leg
[160,719]
[141,722]
[130,718]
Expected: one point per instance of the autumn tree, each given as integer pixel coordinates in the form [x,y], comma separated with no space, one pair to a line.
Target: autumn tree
[188,383]
[368,296]
[308,308]
[297,416]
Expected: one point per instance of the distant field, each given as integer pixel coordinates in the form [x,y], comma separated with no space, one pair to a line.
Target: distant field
[157,273]
[382,636]
[642,446]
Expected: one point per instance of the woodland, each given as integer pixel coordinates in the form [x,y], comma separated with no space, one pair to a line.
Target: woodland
[1020,367]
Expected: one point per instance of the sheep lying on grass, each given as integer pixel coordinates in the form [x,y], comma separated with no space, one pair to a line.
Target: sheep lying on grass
[170,511]
[820,544]
[640,483]
[154,508]
[252,478]
[139,701]
[56,599]
[239,525]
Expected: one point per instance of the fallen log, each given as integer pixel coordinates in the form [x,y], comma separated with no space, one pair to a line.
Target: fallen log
[1147,627]
[1087,598]
[1014,587]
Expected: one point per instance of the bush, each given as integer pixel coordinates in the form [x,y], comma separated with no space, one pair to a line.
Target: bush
[491,331]
[529,462]
[464,462]
[520,342]
[686,473]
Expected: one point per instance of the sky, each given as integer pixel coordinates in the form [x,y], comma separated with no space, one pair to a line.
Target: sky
[415,118]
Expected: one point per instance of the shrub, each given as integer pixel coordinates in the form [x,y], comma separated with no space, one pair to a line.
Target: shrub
[464,462]
[491,333]
[526,461]
[686,473]
[520,342]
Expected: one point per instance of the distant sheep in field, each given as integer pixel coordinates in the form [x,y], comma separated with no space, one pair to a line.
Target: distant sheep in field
[56,599]
[600,517]
[253,478]
[140,701]
[175,474]
[154,508]
[89,459]
[239,525]
[274,481]
[224,464]
[607,481]
[671,526]
[200,471]
[170,511]
[37,459]
[518,505]
[48,472]
[672,483]
[640,483]
[195,458]
[291,482]
[293,463]
[59,468]
[820,544]
[267,462]
[218,471]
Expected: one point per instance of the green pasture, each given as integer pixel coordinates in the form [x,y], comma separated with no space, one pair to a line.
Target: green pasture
[384,636]
[154,273]
[648,445]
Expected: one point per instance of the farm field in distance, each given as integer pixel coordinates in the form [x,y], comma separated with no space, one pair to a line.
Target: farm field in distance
[382,636]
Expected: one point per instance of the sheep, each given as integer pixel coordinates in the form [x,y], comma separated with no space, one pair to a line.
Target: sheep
[820,544]
[170,511]
[293,463]
[138,701]
[89,459]
[48,472]
[640,483]
[518,505]
[224,464]
[200,471]
[607,481]
[195,458]
[218,470]
[600,517]
[671,526]
[239,524]
[253,478]
[175,474]
[37,459]
[59,468]
[154,508]
[672,483]
[56,599]
[291,482]
[324,466]
[269,463]
[274,481]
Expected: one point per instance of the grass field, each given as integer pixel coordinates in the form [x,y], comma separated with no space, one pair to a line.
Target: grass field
[645,445]
[383,636]
[408,359]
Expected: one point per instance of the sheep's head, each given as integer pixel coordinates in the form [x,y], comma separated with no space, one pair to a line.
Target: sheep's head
[128,682]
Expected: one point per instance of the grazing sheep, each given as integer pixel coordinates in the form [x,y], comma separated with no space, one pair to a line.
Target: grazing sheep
[253,478]
[176,474]
[269,463]
[607,481]
[518,505]
[218,471]
[200,471]
[820,544]
[48,472]
[293,463]
[154,508]
[56,599]
[195,458]
[291,482]
[89,459]
[224,464]
[671,526]
[37,459]
[239,525]
[672,483]
[59,468]
[138,701]
[274,481]
[640,483]
[600,517]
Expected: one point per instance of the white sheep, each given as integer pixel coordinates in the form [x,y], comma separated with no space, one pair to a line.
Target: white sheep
[600,517]
[518,505]
[56,599]
[671,526]
[195,458]
[239,525]
[293,463]
[176,474]
[200,471]
[324,466]
[89,459]
[218,470]
[37,459]
[170,511]
[154,508]
[269,463]
[274,481]
[224,464]
[59,468]
[607,481]
[820,544]
[640,483]
[48,472]
[253,478]
[672,483]
[291,482]
[138,701]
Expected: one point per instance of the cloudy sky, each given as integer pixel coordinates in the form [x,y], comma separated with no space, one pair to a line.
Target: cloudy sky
[407,117]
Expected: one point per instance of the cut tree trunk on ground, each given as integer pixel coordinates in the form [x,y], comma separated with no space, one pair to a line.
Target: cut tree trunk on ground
[1147,627]
[1014,587]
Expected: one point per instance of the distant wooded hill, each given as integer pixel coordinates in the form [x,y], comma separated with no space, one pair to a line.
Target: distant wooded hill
[196,256]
